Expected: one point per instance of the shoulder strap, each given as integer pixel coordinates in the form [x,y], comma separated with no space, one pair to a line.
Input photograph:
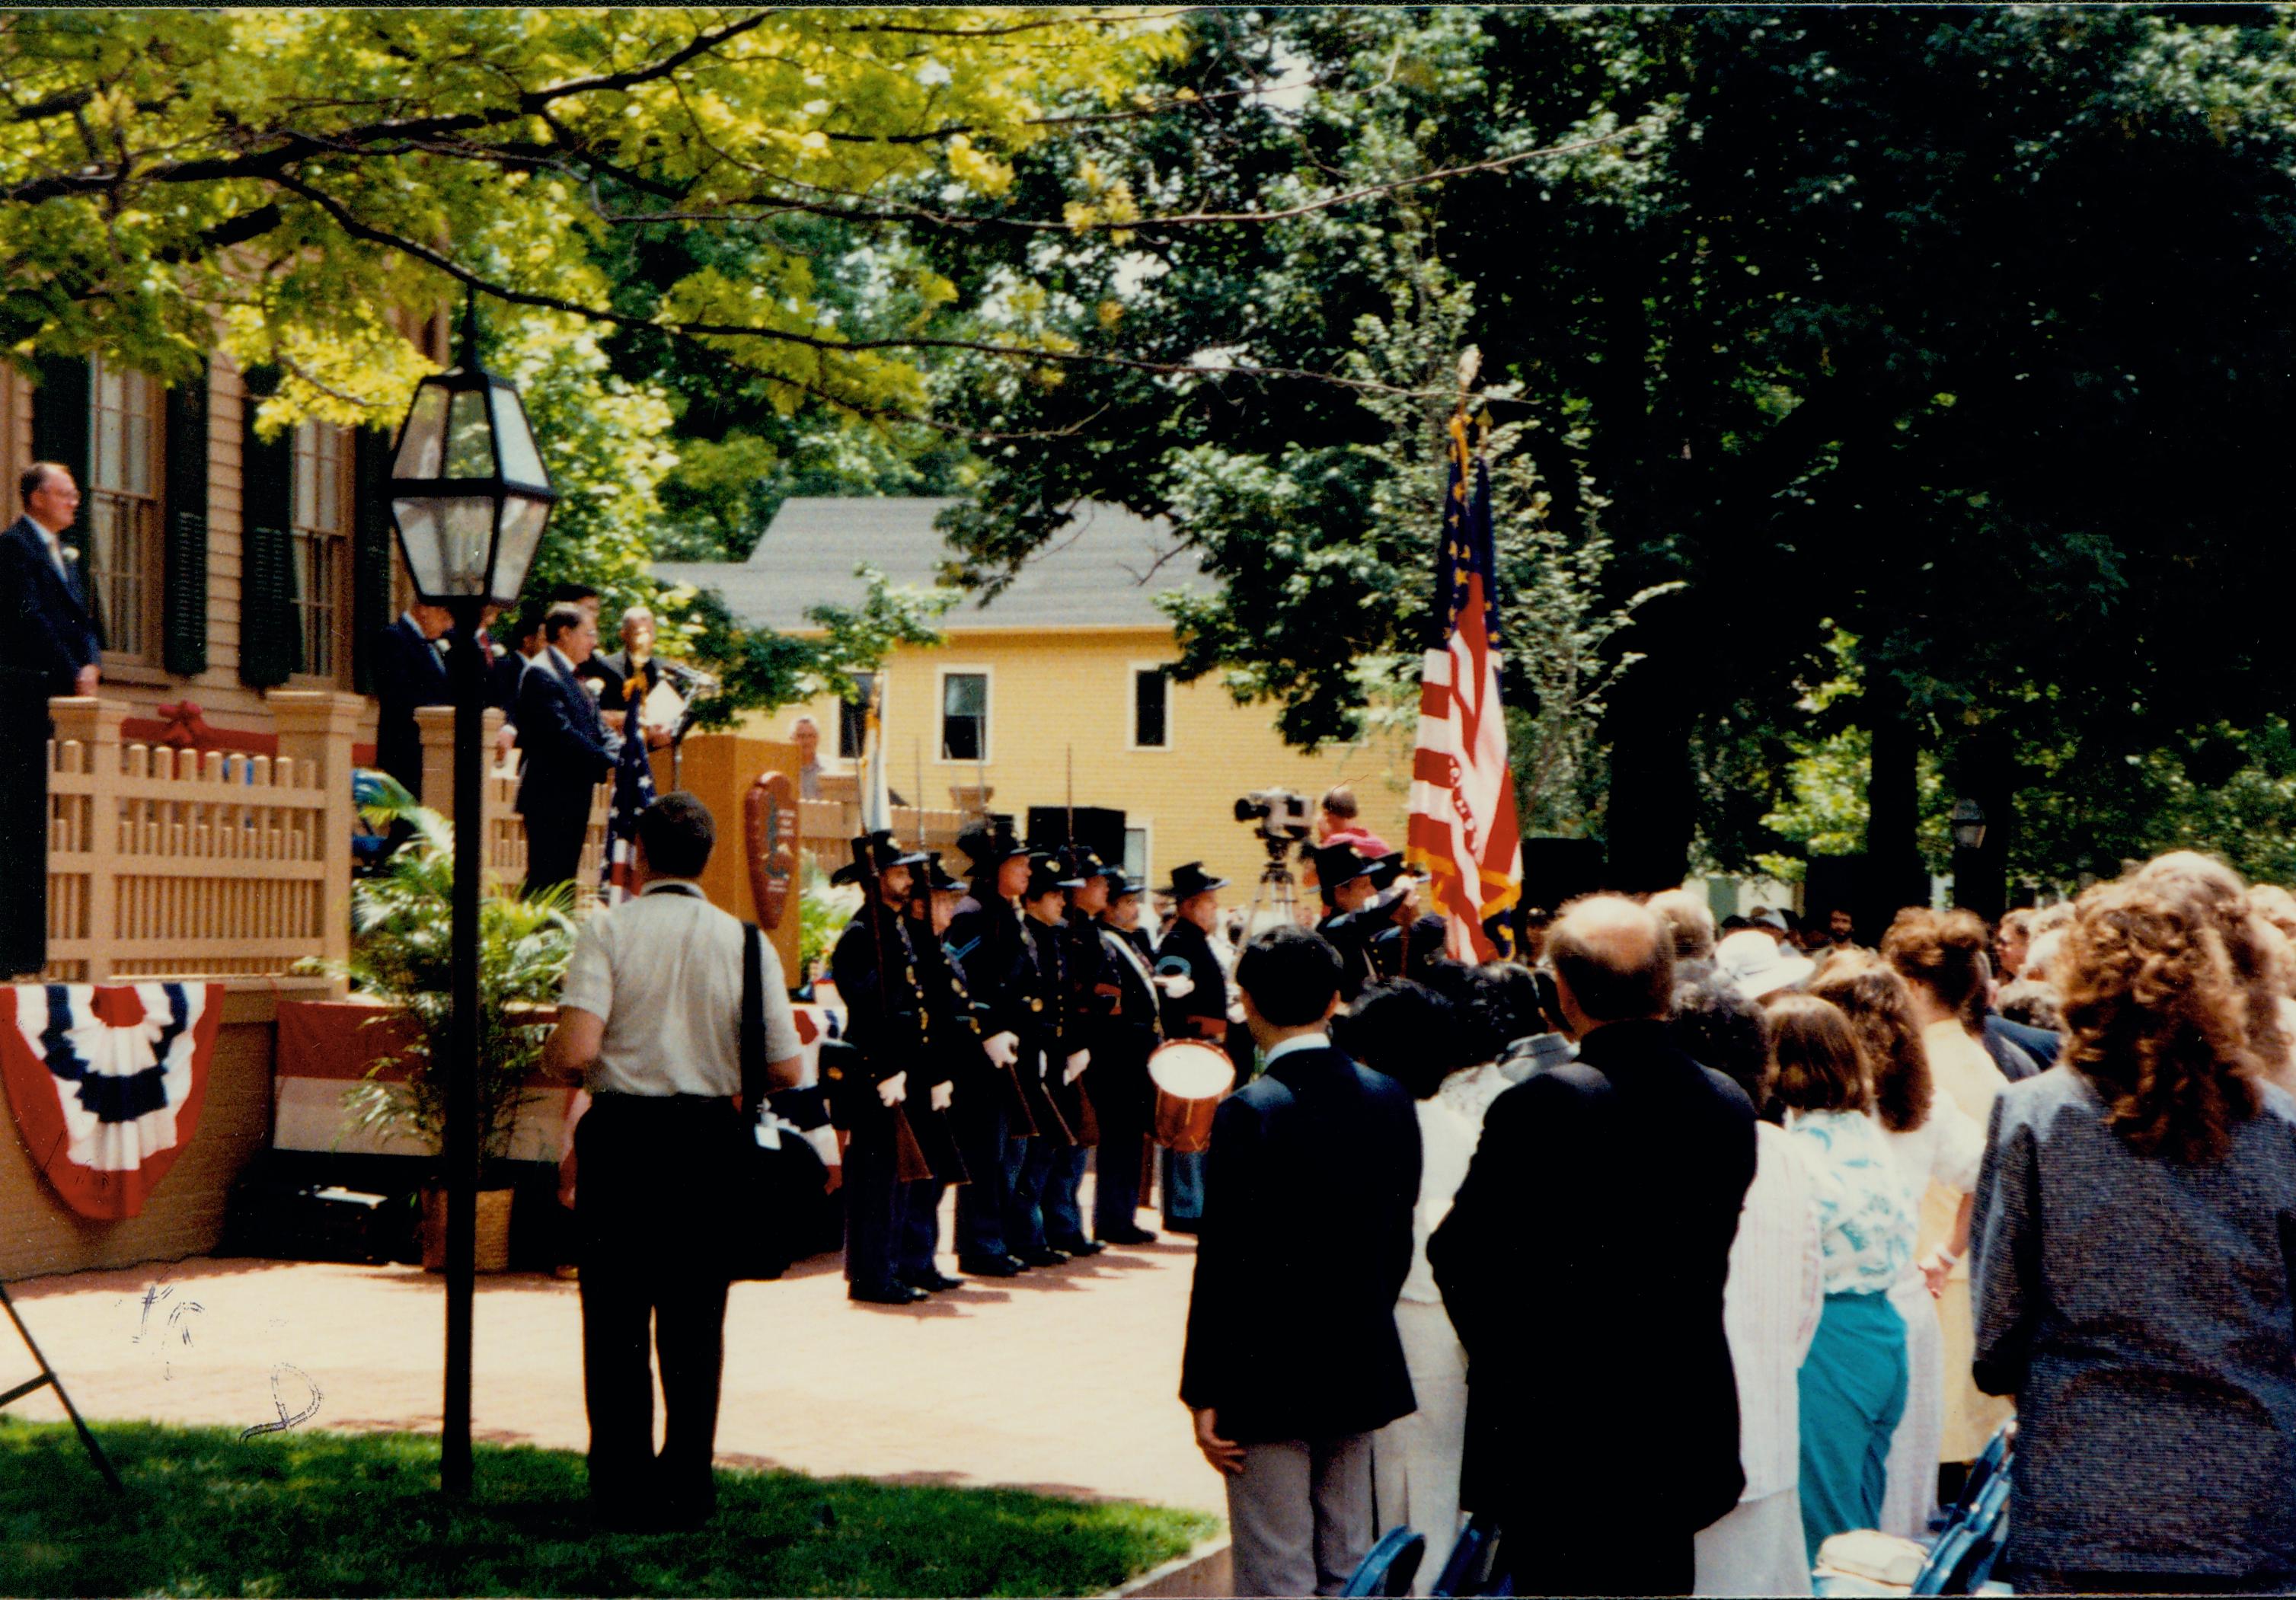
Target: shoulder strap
[753,1018]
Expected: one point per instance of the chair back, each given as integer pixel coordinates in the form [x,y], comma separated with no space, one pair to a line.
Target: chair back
[1389,1568]
[1467,1570]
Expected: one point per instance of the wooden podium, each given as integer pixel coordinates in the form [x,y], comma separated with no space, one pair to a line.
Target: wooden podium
[717,769]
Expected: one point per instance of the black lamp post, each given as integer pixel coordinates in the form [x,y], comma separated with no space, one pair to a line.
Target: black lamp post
[469,499]
[1970,879]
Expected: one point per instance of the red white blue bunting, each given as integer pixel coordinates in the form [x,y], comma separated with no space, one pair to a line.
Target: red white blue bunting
[106,1083]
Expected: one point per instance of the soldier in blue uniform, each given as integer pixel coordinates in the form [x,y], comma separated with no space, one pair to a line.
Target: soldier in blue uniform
[1349,912]
[1127,1032]
[1053,1057]
[1090,989]
[1194,988]
[987,953]
[889,1028]
[953,1065]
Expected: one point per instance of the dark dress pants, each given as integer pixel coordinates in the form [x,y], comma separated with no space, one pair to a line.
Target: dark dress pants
[1124,1123]
[654,1182]
[1027,1165]
[1594,1552]
[872,1204]
[978,1119]
[554,834]
[918,1243]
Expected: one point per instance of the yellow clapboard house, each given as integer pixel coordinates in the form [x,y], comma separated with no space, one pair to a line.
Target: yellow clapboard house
[1067,670]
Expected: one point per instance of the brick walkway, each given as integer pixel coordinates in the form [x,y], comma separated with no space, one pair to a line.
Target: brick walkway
[1060,1380]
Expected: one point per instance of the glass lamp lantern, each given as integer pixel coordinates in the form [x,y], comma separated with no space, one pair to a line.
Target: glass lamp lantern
[469,497]
[1968,823]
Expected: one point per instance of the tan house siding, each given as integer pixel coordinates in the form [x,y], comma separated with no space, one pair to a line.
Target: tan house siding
[1057,693]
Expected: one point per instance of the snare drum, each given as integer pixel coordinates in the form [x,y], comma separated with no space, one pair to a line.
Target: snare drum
[1190,1077]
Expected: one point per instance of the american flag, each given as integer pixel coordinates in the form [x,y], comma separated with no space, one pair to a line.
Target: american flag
[633,793]
[1462,828]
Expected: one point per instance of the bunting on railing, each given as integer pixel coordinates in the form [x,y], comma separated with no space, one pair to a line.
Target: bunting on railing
[106,1083]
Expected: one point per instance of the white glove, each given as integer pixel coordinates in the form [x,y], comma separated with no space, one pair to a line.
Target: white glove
[942,1094]
[894,1089]
[1176,985]
[1079,1060]
[1003,1048]
[1235,1012]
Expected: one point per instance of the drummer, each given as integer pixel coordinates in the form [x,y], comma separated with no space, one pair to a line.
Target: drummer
[1128,1030]
[1195,1005]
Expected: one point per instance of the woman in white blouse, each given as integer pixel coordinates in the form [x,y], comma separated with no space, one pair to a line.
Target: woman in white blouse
[1852,1385]
[1407,1031]
[1941,957]
[1935,1144]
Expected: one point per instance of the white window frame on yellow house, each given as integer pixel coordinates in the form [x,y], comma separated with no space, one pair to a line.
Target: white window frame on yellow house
[988,676]
[1132,711]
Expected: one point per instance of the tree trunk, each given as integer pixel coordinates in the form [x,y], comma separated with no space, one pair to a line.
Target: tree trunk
[1894,874]
[1651,814]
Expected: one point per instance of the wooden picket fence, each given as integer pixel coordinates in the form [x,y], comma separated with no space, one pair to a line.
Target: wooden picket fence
[174,863]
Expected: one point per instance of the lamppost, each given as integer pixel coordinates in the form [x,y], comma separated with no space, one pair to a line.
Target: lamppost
[469,500]
[1967,822]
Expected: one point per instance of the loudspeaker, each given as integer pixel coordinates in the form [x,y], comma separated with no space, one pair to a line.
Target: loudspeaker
[1099,827]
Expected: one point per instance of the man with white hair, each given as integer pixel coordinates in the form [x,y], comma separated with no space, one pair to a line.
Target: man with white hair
[1583,1264]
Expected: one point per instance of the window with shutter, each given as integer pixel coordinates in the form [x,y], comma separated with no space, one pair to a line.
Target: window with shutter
[270,622]
[184,627]
[371,562]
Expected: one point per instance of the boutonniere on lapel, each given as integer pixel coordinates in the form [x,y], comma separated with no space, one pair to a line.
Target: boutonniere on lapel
[71,554]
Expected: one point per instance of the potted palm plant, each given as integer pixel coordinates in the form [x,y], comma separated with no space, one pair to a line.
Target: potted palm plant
[401,932]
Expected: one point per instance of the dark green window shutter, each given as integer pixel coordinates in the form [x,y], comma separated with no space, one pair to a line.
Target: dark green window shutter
[270,635]
[184,592]
[371,549]
[59,424]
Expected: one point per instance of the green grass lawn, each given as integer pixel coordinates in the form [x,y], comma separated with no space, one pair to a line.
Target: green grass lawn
[310,1513]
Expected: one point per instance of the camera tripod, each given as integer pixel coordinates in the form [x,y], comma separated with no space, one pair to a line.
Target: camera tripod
[1277,892]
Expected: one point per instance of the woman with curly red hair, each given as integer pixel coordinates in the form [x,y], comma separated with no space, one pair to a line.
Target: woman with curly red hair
[2133,1220]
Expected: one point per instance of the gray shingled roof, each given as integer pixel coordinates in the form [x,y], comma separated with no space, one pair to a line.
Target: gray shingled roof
[1103,570]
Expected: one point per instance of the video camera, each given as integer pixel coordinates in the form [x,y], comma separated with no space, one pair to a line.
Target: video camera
[1284,818]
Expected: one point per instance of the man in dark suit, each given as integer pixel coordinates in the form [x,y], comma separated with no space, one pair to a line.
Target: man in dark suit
[568,750]
[1292,1358]
[1582,1263]
[49,629]
[410,671]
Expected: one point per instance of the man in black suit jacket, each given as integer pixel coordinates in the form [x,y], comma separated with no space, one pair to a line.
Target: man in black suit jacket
[49,630]
[568,750]
[410,671]
[1293,1356]
[1583,1262]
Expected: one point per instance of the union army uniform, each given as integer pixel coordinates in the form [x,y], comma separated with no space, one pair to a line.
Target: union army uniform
[952,1057]
[1350,932]
[987,954]
[1089,989]
[1062,1113]
[1200,1012]
[1127,1033]
[888,1029]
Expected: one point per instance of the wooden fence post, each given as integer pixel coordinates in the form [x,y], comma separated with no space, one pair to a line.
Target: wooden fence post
[317,726]
[95,723]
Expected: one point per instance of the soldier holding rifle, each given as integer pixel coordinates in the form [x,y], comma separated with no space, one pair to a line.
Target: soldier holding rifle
[888,1032]
[952,1058]
[1053,1057]
[988,955]
[1091,991]
[1128,1033]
